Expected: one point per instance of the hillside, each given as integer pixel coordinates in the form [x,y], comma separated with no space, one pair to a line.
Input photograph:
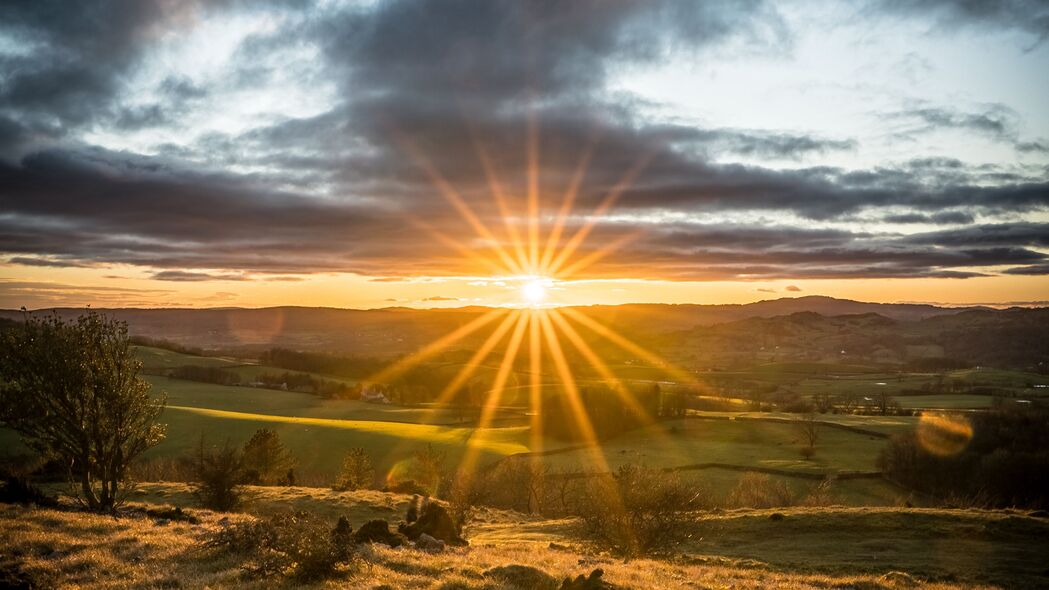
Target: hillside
[398,330]
[806,329]
[834,547]
[1011,338]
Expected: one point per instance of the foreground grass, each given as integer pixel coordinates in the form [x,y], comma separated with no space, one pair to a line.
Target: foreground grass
[827,548]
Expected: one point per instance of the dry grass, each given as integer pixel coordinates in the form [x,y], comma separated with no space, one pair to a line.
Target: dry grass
[807,548]
[75,550]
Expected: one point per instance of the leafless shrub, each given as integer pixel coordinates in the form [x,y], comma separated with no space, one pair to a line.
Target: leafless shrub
[297,545]
[637,510]
[758,490]
[820,495]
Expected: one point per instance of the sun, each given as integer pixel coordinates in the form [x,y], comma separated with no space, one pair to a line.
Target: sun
[533,291]
[534,337]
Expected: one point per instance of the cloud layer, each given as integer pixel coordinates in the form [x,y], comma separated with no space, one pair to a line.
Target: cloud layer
[427,111]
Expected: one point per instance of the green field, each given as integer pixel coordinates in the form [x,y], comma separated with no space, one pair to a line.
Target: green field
[319,431]
[156,360]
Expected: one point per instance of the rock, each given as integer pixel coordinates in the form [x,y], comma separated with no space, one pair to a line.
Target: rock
[224,521]
[777,516]
[558,547]
[429,544]
[522,576]
[434,521]
[378,531]
[591,582]
[162,521]
[899,579]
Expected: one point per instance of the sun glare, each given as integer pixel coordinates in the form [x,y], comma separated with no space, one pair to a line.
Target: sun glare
[533,291]
[534,264]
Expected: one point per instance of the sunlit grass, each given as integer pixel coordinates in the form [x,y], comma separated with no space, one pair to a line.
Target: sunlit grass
[806,549]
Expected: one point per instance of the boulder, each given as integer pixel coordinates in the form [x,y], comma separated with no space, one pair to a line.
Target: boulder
[434,521]
[429,544]
[522,576]
[378,531]
[591,582]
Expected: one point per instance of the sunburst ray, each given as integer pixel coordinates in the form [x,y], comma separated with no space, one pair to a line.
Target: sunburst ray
[451,195]
[571,389]
[402,365]
[495,394]
[474,361]
[624,343]
[610,198]
[495,187]
[567,203]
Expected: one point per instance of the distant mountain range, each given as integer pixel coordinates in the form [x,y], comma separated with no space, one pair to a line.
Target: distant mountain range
[812,328]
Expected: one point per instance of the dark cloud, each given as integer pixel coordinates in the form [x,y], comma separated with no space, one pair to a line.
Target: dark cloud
[1003,234]
[79,51]
[109,208]
[1034,269]
[1030,16]
[944,218]
[793,288]
[426,83]
[51,262]
[511,50]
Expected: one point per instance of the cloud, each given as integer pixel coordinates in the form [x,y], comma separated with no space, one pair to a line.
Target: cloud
[997,122]
[440,298]
[943,218]
[1029,16]
[1032,270]
[184,276]
[50,262]
[792,288]
[422,89]
[15,294]
[111,208]
[766,290]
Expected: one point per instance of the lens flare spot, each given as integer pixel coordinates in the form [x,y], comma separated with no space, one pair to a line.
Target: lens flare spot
[944,434]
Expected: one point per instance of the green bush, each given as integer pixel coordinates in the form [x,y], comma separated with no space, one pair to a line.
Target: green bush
[217,472]
[266,460]
[357,471]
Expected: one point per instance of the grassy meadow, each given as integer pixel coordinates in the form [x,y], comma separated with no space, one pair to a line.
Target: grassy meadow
[797,548]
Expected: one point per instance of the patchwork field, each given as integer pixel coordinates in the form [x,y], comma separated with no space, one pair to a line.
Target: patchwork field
[714,449]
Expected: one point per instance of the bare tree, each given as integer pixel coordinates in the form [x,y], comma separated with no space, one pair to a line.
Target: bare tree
[809,427]
[72,390]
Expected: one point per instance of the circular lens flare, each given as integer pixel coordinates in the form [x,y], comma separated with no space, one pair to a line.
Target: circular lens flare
[533,291]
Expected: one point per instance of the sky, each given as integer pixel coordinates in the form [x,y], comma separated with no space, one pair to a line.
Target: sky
[431,153]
